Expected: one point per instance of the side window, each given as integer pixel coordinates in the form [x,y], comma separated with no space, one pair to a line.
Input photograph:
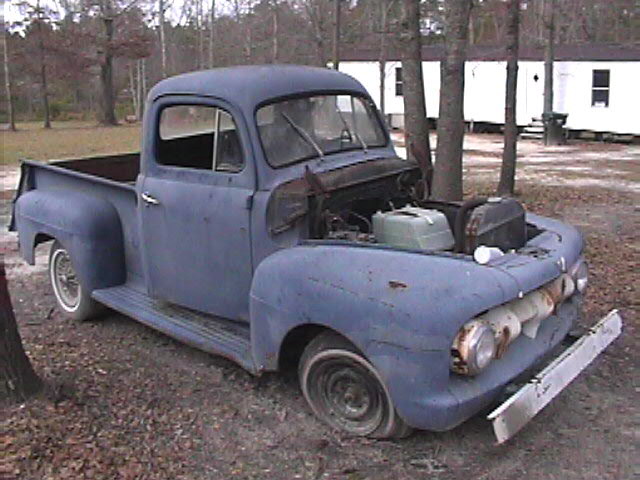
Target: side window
[199,137]
[600,88]
[398,81]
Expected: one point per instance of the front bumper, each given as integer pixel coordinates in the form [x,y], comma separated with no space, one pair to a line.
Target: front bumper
[522,406]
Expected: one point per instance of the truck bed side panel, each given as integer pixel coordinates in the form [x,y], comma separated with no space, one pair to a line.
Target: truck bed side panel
[73,186]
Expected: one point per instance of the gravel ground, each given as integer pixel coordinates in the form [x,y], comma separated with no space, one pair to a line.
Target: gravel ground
[124,401]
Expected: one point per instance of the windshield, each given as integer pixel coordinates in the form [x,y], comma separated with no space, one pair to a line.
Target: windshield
[303,128]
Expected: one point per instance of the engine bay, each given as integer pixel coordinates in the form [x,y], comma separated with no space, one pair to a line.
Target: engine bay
[389,210]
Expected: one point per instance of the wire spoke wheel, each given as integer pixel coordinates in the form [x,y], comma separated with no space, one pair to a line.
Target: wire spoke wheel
[64,280]
[72,298]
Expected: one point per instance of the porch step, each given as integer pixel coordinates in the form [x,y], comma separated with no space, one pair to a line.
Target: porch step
[211,334]
[535,129]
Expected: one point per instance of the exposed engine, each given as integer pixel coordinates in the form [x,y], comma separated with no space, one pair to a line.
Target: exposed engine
[494,222]
[390,209]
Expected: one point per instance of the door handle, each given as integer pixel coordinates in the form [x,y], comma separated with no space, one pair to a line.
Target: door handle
[148,199]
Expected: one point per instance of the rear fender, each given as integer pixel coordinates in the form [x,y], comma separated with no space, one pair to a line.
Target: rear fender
[87,226]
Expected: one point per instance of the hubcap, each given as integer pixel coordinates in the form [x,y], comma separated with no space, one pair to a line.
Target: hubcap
[65,280]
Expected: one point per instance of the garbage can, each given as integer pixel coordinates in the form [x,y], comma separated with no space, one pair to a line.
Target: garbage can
[554,132]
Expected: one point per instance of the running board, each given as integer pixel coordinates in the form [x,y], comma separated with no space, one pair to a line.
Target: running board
[208,333]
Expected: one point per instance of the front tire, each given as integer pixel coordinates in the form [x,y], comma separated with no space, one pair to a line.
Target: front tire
[345,391]
[74,301]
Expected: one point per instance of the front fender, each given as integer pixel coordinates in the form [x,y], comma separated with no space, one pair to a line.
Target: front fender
[87,226]
[401,309]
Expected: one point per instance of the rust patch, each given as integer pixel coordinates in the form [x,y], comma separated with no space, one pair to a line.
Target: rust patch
[394,284]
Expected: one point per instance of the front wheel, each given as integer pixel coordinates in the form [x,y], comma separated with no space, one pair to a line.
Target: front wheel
[345,391]
[72,299]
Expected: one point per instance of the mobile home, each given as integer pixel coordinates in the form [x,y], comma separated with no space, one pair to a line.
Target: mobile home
[598,86]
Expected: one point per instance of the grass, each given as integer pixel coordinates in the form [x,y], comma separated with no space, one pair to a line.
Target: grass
[66,140]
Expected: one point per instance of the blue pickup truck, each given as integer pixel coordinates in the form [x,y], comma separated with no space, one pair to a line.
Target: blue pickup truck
[269,220]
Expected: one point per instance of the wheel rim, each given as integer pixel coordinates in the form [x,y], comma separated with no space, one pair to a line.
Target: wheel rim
[344,391]
[65,282]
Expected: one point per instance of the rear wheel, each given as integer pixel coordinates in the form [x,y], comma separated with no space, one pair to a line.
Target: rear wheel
[345,391]
[72,299]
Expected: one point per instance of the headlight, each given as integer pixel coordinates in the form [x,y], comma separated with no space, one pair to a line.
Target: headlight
[580,274]
[473,348]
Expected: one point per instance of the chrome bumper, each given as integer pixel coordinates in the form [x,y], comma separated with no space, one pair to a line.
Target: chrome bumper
[522,406]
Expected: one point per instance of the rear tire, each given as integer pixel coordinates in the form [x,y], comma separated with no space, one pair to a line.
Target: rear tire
[73,300]
[345,391]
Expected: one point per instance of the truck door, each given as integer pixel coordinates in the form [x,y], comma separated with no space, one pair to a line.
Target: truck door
[195,194]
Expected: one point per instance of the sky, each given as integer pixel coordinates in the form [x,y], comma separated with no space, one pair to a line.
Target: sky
[12,12]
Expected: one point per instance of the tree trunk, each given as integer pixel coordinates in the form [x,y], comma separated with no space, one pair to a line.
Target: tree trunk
[509,154]
[106,75]
[382,60]
[200,34]
[275,33]
[549,25]
[447,178]
[139,92]
[549,54]
[18,377]
[7,84]
[134,92]
[163,43]
[212,33]
[43,77]
[336,34]
[416,126]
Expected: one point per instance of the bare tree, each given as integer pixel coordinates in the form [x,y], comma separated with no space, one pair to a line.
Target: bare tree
[509,154]
[315,11]
[550,133]
[212,32]
[336,34]
[19,379]
[549,53]
[163,43]
[107,17]
[7,83]
[447,178]
[276,45]
[415,110]
[38,13]
[385,8]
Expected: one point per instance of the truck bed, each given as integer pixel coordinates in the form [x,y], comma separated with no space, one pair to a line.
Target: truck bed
[122,168]
[111,178]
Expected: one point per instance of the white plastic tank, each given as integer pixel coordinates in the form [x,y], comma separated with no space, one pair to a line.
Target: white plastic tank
[415,228]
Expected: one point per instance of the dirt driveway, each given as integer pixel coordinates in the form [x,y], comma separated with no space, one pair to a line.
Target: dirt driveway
[127,402]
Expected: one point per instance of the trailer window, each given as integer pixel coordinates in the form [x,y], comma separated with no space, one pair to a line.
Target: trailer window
[200,137]
[399,81]
[600,88]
